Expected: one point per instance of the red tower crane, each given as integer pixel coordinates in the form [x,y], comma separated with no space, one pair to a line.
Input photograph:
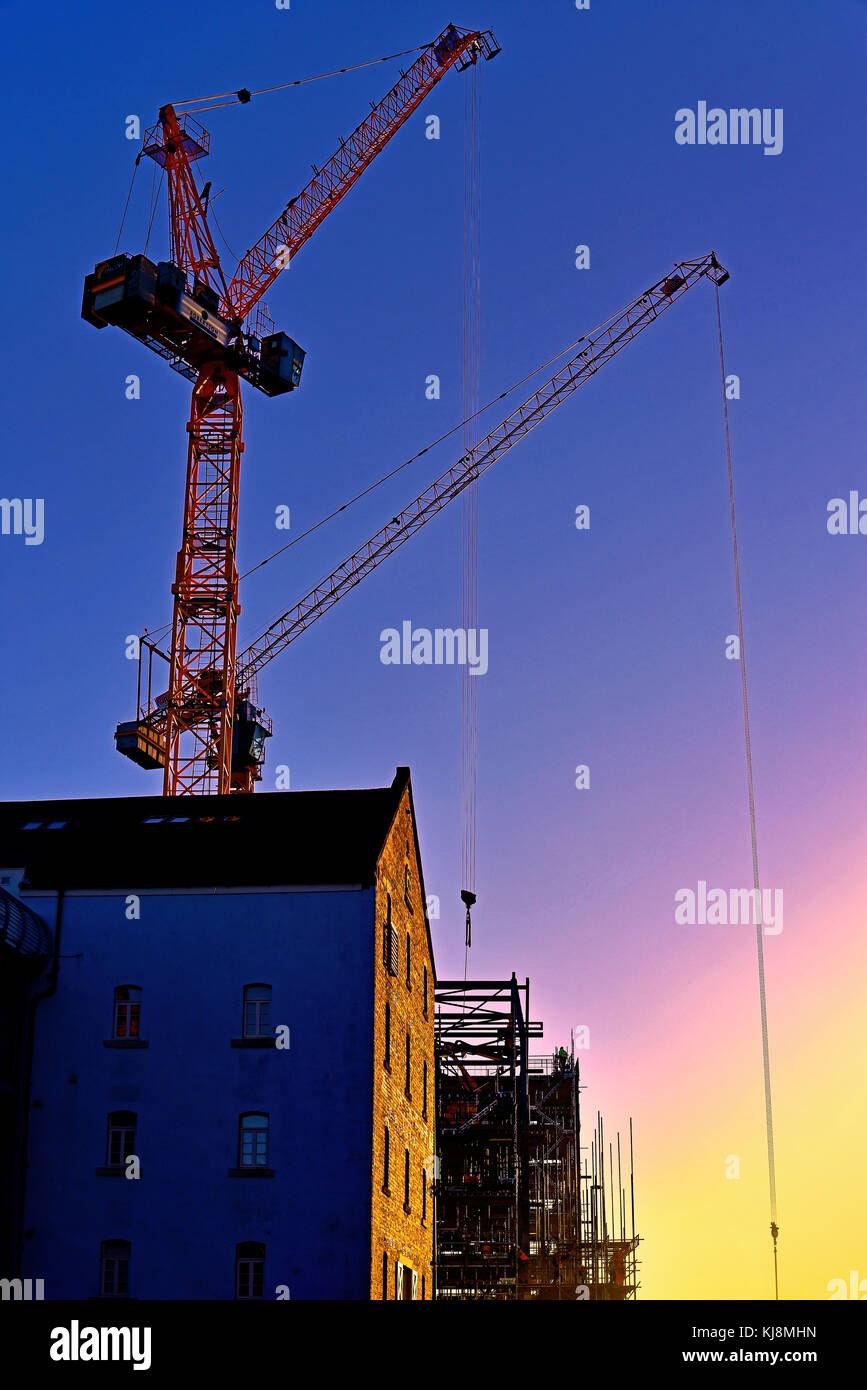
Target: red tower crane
[209,735]
[603,344]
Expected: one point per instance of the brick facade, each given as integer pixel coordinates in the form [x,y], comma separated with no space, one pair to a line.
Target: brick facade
[400,1236]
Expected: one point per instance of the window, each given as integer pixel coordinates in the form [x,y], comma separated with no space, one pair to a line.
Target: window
[422,1287]
[424,1091]
[121,1137]
[257,1011]
[127,1011]
[114,1269]
[406,1085]
[425,992]
[390,950]
[253,1141]
[423,1197]
[386,1061]
[405,1281]
[406,1181]
[385,1159]
[408,962]
[407,886]
[250,1269]
[385,1276]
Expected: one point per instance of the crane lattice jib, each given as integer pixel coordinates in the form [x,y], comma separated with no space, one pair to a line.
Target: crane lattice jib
[261,265]
[608,341]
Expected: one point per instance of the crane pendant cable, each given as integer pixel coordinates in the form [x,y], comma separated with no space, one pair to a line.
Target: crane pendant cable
[470,502]
[760,951]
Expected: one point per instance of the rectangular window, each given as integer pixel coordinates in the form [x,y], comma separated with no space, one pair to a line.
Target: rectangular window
[253,1142]
[257,1011]
[385,1276]
[385,1159]
[407,887]
[406,1181]
[127,1011]
[393,952]
[387,1056]
[407,1090]
[250,1270]
[404,1281]
[424,1091]
[121,1137]
[423,1195]
[425,991]
[114,1269]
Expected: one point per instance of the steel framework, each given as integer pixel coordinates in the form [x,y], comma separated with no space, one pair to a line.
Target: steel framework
[519,1214]
[201,695]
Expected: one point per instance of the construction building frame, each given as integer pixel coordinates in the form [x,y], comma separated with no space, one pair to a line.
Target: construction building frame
[520,1211]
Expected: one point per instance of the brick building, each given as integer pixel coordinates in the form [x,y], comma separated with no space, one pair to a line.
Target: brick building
[238,988]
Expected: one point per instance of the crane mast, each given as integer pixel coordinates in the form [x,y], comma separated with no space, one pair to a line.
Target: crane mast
[208,736]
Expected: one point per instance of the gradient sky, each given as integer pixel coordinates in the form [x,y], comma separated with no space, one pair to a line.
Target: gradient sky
[607,646]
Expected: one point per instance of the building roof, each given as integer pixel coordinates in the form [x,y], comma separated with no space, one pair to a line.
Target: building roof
[272,838]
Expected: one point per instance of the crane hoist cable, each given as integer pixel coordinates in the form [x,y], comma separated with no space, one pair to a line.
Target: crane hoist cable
[760,952]
[470,499]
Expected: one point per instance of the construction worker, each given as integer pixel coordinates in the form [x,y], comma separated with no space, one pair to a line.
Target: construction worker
[562,1059]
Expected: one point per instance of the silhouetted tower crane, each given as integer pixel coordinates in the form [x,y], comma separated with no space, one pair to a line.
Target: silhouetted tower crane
[209,735]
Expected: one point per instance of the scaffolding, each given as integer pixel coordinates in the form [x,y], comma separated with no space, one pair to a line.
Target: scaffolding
[521,1212]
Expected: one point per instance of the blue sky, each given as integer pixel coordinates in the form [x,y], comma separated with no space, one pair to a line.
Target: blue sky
[605,647]
[578,147]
